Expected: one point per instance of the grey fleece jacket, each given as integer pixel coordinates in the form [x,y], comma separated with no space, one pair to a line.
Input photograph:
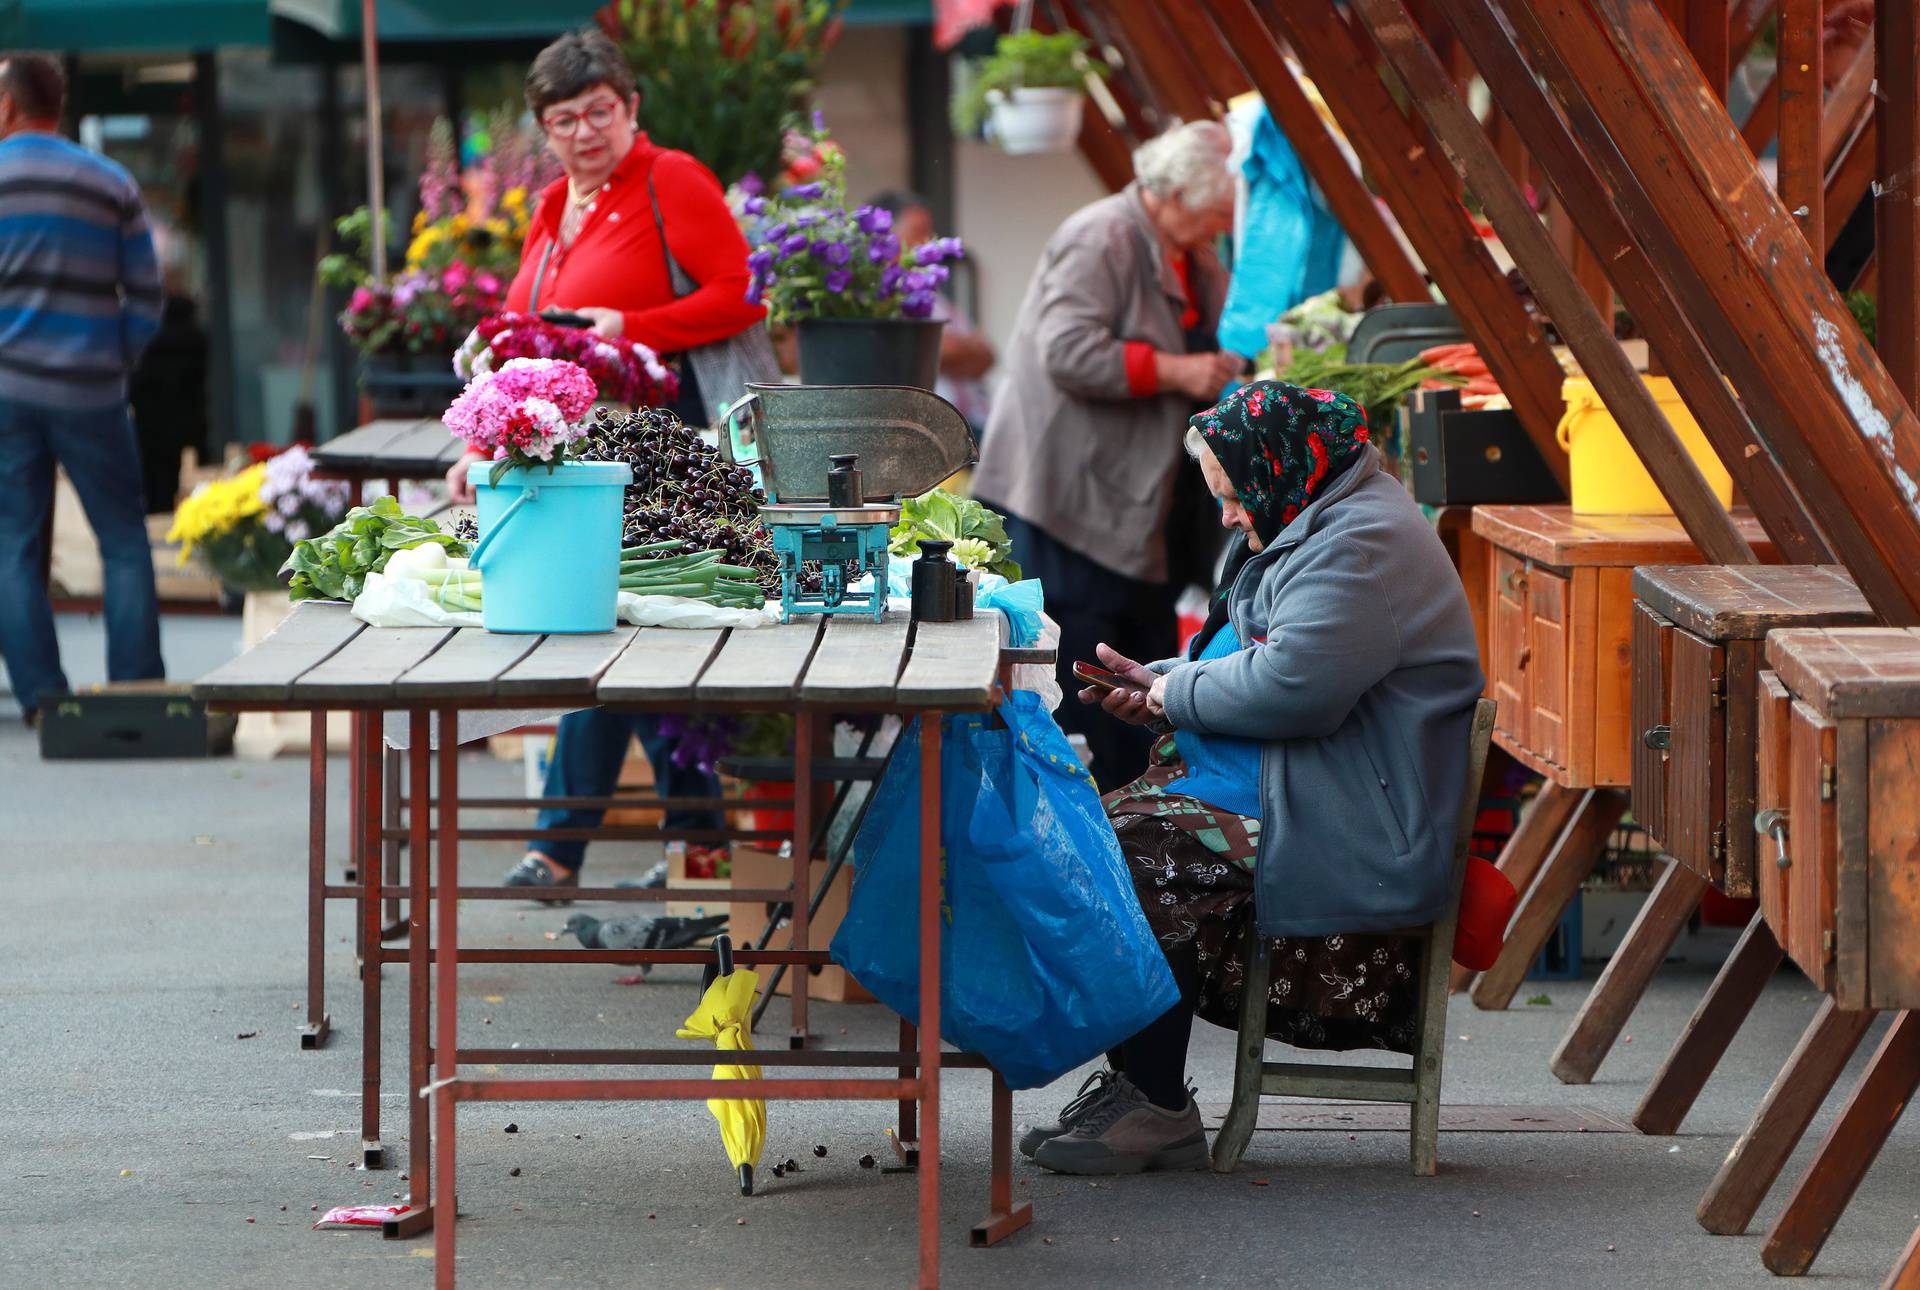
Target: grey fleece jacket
[1361,683]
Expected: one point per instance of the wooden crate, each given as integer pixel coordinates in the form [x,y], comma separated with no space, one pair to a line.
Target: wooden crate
[754,869]
[1698,632]
[1849,894]
[1560,629]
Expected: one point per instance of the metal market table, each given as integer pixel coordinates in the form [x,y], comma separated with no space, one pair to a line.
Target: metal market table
[322,659]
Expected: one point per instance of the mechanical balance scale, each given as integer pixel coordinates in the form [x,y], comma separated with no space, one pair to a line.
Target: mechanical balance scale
[906,441]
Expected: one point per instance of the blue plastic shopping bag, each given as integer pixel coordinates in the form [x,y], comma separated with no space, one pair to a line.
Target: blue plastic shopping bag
[1046,959]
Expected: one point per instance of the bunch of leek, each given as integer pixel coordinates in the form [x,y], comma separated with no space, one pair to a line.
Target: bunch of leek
[650,570]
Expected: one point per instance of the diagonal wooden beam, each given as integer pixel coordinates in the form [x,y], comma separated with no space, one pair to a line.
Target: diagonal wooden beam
[1743,27]
[1239,34]
[1850,178]
[1590,336]
[1763,118]
[1599,216]
[1186,30]
[1896,227]
[1175,81]
[1848,103]
[1800,82]
[1851,433]
[1421,196]
[1135,102]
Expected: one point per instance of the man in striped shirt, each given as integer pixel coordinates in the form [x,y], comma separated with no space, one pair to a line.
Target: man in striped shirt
[80,297]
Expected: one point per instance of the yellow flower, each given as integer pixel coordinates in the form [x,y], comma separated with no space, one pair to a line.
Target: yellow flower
[419,219]
[217,508]
[514,199]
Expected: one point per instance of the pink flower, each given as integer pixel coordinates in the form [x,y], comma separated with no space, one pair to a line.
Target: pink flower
[528,409]
[361,300]
[486,282]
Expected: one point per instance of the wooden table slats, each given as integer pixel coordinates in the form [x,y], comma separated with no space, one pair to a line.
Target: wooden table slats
[763,665]
[360,451]
[310,635]
[952,664]
[1850,672]
[858,661]
[1741,602]
[1554,535]
[426,443]
[368,666]
[468,666]
[661,663]
[564,665]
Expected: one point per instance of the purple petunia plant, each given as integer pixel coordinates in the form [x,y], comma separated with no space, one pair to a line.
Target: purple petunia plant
[814,256]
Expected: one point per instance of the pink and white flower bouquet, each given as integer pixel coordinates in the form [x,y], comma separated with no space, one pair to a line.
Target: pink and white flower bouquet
[528,413]
[625,371]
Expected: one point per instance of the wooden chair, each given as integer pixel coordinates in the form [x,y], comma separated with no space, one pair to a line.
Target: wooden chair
[1419,1085]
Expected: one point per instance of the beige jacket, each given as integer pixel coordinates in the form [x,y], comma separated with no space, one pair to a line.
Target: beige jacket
[1068,448]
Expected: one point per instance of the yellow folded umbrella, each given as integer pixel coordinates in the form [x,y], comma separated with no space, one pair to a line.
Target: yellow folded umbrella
[725,1015]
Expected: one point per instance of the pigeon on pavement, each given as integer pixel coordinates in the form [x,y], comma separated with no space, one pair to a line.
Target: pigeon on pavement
[639,932]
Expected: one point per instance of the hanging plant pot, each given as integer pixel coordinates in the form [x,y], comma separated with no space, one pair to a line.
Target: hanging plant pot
[1023,122]
[870,351]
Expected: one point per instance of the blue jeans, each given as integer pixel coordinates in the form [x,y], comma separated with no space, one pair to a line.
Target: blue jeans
[587,754]
[102,458]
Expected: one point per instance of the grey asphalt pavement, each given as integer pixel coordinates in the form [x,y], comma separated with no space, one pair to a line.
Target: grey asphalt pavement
[153,913]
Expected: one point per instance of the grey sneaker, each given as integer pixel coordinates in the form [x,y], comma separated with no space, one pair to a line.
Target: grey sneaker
[532,871]
[1091,1094]
[1127,1134]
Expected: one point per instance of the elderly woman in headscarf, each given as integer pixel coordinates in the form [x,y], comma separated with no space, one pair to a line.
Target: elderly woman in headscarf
[1113,350]
[1309,767]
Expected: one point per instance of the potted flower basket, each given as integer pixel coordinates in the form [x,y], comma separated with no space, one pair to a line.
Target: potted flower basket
[549,547]
[1028,96]
[864,308]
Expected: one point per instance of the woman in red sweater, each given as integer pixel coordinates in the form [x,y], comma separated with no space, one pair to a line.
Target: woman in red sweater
[595,245]
[598,247]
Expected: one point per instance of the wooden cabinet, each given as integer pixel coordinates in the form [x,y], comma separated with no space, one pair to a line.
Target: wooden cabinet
[1561,632]
[1847,904]
[1697,658]
[1772,794]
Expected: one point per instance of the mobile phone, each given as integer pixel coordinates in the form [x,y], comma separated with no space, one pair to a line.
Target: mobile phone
[561,318]
[1100,677]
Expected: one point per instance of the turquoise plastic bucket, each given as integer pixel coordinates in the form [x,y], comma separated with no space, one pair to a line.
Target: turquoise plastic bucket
[549,549]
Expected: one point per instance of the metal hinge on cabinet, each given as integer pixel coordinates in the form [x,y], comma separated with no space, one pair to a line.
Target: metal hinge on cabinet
[1717,848]
[1826,781]
[1717,691]
[1826,942]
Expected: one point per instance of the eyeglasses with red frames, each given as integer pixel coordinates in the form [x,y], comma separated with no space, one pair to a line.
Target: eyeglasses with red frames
[567,124]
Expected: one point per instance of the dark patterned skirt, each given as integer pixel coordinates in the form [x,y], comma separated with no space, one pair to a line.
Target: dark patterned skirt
[1192,868]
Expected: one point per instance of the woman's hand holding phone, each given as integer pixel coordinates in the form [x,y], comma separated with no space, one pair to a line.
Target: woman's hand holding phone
[1125,689]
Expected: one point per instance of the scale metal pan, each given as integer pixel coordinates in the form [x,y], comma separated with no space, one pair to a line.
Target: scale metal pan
[908,440]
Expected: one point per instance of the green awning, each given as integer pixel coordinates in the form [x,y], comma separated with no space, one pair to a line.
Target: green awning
[131,26]
[440,19]
[509,19]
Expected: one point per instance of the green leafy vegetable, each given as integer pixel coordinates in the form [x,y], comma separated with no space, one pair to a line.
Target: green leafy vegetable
[335,565]
[978,534]
[1380,388]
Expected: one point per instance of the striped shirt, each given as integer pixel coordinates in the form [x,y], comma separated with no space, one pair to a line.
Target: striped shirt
[80,291]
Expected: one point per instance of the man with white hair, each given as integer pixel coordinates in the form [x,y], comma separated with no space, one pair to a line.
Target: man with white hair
[1113,350]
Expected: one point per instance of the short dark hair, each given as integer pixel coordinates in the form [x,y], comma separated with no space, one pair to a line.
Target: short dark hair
[897,201]
[574,64]
[38,86]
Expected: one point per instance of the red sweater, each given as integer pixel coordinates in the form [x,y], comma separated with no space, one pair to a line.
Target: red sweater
[615,261]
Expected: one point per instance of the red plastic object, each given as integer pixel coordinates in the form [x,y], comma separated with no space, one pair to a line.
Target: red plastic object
[1487,902]
[1718,910]
[771,790]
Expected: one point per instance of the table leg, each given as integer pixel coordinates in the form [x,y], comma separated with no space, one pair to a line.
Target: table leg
[372,1155]
[1628,974]
[802,867]
[314,1033]
[1004,1218]
[932,866]
[1572,858]
[391,927]
[906,1139]
[1710,1030]
[1528,848]
[1784,1114]
[419,985]
[1906,1273]
[446,985]
[1794,1240]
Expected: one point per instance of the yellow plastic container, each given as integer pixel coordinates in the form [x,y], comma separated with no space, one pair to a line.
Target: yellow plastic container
[1608,478]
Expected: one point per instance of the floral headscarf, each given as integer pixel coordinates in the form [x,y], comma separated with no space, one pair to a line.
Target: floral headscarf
[1281,444]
